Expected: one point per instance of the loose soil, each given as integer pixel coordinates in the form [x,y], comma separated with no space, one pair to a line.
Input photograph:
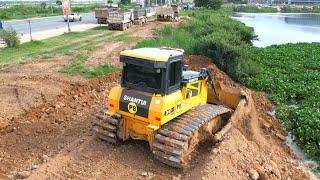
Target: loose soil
[45,129]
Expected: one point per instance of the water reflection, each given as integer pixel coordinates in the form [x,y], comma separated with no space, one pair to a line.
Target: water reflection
[282,28]
[303,19]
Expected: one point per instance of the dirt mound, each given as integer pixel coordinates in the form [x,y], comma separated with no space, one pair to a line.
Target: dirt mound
[23,87]
[52,138]
[255,146]
[31,138]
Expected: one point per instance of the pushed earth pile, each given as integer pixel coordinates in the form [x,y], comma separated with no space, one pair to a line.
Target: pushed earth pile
[46,119]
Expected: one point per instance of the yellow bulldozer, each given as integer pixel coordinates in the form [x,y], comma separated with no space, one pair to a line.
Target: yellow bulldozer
[162,102]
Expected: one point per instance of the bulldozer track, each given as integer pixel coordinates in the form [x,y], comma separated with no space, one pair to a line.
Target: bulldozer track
[174,142]
[106,127]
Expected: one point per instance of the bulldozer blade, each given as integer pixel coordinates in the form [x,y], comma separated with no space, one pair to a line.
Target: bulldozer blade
[224,95]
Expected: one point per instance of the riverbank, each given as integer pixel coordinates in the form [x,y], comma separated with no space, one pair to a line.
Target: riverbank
[276,9]
[293,88]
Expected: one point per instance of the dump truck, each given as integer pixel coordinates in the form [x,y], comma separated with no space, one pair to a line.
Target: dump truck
[120,20]
[102,14]
[162,102]
[140,16]
[168,13]
[150,11]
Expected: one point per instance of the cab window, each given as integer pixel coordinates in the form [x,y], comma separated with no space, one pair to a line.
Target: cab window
[175,75]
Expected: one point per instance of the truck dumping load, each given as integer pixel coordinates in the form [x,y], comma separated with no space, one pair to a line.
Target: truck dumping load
[140,16]
[120,20]
[102,14]
[150,11]
[168,13]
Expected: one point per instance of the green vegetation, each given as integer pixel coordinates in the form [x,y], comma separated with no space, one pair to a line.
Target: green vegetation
[41,10]
[64,44]
[255,9]
[214,4]
[238,1]
[285,9]
[125,5]
[213,34]
[289,73]
[10,37]
[122,37]
[76,67]
[290,9]
[78,43]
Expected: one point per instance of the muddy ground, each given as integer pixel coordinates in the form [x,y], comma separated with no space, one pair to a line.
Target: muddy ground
[46,117]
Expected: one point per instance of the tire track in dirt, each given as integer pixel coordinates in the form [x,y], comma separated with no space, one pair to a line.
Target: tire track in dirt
[54,140]
[48,128]
[30,85]
[41,133]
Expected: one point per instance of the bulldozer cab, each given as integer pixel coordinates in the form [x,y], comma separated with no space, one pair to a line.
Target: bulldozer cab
[150,70]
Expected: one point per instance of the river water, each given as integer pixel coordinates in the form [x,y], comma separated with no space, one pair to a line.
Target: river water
[281,28]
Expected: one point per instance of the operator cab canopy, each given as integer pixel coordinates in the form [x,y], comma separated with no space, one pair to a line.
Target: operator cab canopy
[153,54]
[153,70]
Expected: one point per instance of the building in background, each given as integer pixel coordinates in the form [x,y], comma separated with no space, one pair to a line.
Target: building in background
[304,2]
[10,2]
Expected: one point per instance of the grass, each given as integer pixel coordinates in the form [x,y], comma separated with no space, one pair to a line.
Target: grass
[76,67]
[70,44]
[24,11]
[65,44]
[122,37]
[255,9]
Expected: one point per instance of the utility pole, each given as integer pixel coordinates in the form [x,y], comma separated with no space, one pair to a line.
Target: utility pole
[29,22]
[51,7]
[69,30]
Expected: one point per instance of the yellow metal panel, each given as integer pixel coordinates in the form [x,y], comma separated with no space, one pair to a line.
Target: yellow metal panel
[153,54]
[144,56]
[155,110]
[180,103]
[114,99]
[162,109]
[173,106]
[136,129]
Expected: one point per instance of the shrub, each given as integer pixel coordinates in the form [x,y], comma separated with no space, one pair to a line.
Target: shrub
[255,9]
[10,37]
[43,5]
[58,2]
[290,9]
[212,34]
[214,4]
